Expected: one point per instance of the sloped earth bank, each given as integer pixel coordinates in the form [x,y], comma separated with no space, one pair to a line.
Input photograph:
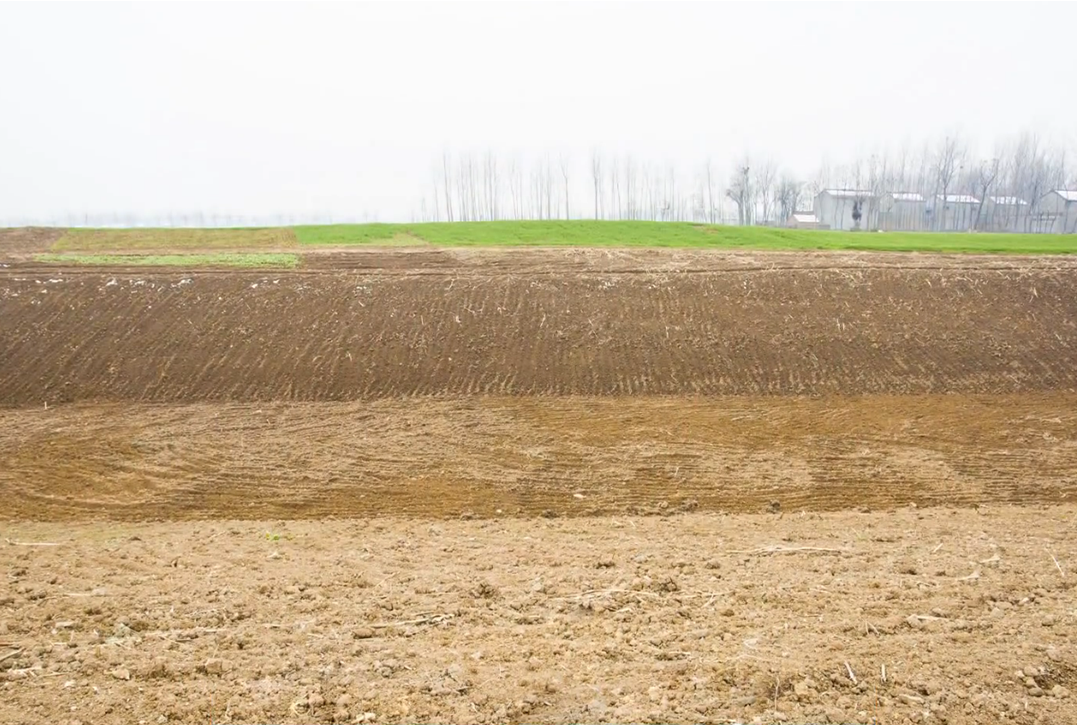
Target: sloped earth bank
[913,615]
[214,336]
[23,242]
[531,456]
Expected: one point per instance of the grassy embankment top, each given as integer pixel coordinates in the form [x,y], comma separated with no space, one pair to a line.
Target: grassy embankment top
[283,246]
[585,233]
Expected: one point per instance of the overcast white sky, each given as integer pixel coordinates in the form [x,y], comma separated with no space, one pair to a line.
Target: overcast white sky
[257,109]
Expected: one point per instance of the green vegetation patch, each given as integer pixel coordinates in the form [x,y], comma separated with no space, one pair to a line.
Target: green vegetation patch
[123,240]
[585,233]
[579,233]
[114,244]
[278,260]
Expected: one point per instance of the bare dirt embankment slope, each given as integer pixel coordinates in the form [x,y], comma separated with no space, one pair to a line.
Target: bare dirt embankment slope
[530,456]
[211,336]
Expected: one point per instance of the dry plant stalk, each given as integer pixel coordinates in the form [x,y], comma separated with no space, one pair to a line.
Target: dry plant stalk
[9,655]
[433,619]
[30,543]
[790,550]
[1057,565]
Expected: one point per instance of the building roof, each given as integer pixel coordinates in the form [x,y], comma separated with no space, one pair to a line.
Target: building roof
[848,193]
[960,199]
[1065,194]
[906,196]
[1008,201]
[805,217]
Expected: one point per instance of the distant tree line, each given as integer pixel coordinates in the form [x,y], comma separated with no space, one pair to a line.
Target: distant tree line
[758,190]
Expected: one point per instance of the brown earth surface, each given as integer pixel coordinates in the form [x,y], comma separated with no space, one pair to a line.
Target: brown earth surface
[512,456]
[20,242]
[406,486]
[204,240]
[485,261]
[644,260]
[938,615]
[183,336]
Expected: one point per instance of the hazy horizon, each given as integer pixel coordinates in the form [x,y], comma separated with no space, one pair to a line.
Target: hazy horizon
[343,111]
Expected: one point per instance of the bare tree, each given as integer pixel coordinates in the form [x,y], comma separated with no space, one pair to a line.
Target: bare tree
[651,191]
[447,183]
[491,180]
[924,183]
[474,198]
[437,199]
[463,210]
[740,193]
[788,196]
[463,189]
[710,191]
[562,162]
[699,202]
[899,174]
[1035,177]
[538,186]
[630,189]
[820,181]
[615,184]
[672,204]
[947,163]
[876,182]
[985,179]
[596,175]
[766,173]
[547,182]
[514,188]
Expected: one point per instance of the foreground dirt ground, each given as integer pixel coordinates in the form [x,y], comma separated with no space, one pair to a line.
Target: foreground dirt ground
[949,616]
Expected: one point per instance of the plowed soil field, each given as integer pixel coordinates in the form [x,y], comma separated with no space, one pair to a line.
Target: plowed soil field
[540,486]
[68,336]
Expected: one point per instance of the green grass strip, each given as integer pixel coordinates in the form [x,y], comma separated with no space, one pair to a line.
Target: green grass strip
[585,233]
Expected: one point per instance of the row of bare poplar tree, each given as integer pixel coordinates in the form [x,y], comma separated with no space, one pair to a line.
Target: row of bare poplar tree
[486,186]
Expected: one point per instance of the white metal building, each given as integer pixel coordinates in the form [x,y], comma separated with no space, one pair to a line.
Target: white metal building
[1004,214]
[1056,213]
[803,220]
[902,210]
[953,212]
[834,208]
